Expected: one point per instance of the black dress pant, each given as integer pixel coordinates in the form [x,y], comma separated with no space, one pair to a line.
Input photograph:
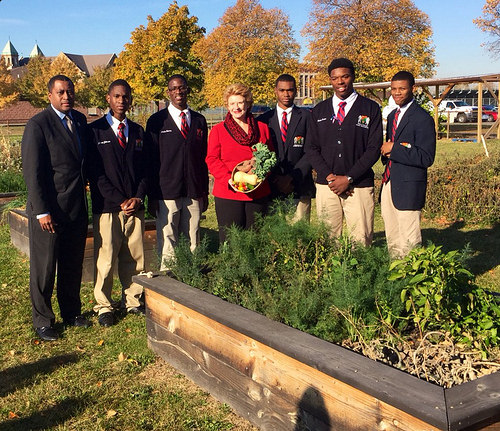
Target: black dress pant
[63,249]
[239,213]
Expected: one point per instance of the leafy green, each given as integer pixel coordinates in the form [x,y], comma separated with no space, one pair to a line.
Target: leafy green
[265,160]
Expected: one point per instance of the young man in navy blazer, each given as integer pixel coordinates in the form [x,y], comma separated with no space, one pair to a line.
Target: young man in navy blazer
[119,168]
[53,147]
[179,139]
[409,150]
[292,176]
[343,144]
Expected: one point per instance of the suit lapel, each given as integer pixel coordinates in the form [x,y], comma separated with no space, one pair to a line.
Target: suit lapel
[294,121]
[63,132]
[405,120]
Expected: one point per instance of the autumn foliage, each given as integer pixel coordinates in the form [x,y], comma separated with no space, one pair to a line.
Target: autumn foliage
[8,93]
[380,37]
[489,22]
[159,50]
[251,45]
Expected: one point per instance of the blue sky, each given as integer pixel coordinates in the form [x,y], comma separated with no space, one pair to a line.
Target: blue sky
[104,27]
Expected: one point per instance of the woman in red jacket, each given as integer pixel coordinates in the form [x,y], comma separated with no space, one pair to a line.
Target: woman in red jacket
[229,143]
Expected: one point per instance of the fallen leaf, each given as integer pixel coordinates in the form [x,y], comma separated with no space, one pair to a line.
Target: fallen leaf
[99,384]
[122,357]
[111,413]
[12,415]
[100,342]
[36,342]
[12,352]
[4,284]
[128,330]
[80,349]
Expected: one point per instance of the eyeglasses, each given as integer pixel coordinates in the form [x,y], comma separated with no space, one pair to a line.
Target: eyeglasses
[180,89]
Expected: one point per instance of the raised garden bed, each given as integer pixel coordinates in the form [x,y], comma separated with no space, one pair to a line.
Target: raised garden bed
[19,235]
[280,378]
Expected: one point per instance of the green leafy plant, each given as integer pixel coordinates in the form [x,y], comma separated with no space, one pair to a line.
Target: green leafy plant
[439,294]
[265,160]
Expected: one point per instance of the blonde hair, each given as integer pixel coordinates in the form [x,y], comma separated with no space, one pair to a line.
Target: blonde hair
[238,89]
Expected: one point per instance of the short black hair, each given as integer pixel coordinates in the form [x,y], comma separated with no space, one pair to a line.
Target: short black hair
[120,82]
[341,62]
[404,75]
[177,76]
[285,77]
[55,78]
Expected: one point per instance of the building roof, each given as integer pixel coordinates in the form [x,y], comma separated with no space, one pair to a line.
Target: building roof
[88,63]
[9,49]
[36,51]
[21,111]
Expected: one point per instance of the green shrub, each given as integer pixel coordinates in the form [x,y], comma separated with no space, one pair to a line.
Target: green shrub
[439,295]
[465,189]
[299,275]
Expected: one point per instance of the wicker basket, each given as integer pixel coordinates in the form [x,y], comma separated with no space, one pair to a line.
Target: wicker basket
[234,185]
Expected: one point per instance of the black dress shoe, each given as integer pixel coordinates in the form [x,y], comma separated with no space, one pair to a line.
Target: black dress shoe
[106,319]
[47,333]
[136,310]
[78,321]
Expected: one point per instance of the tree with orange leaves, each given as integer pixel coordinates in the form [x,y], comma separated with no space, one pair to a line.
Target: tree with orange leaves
[489,22]
[380,37]
[251,45]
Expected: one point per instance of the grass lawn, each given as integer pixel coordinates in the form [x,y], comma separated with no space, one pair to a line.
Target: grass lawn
[94,379]
[108,379]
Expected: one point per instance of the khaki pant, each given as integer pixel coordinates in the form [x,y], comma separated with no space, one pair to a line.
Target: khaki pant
[402,228]
[176,216]
[356,209]
[302,209]
[118,237]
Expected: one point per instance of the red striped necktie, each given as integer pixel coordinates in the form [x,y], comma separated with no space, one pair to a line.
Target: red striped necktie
[284,126]
[387,172]
[121,135]
[184,125]
[341,112]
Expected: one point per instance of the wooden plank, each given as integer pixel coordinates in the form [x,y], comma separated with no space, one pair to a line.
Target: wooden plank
[256,404]
[391,386]
[275,371]
[475,402]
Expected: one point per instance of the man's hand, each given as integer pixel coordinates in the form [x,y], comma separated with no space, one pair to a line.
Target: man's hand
[386,149]
[284,184]
[130,206]
[47,224]
[338,184]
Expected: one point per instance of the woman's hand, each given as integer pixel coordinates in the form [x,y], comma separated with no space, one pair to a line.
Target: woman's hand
[246,166]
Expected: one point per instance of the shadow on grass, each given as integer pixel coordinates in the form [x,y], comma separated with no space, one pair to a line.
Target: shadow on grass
[47,418]
[23,375]
[484,244]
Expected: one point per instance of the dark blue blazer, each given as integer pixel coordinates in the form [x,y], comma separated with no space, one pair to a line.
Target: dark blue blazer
[291,155]
[413,152]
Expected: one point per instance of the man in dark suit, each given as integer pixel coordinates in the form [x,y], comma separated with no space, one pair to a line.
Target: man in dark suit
[118,170]
[343,144]
[409,150]
[288,127]
[179,144]
[53,149]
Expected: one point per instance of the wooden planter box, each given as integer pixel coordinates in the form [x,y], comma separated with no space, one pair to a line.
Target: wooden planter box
[19,235]
[280,378]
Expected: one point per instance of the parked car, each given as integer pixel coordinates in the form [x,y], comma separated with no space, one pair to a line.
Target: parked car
[491,112]
[460,112]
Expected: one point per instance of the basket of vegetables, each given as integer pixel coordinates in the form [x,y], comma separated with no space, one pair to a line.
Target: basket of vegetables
[248,175]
